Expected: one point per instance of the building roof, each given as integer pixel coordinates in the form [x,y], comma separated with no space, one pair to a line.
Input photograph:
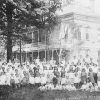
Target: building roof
[77,16]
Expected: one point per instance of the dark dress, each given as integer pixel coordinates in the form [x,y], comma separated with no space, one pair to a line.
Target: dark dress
[55,81]
[95,77]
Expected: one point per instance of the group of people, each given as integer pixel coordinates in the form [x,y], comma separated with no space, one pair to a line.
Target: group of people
[77,73]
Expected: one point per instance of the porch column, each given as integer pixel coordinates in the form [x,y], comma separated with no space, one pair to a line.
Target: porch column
[52,55]
[32,43]
[38,44]
[26,56]
[45,55]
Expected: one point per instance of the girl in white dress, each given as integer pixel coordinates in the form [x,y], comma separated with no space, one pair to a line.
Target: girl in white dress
[37,79]
[3,79]
[31,77]
[71,77]
[43,79]
[17,80]
[7,78]
[84,86]
[8,75]
[63,80]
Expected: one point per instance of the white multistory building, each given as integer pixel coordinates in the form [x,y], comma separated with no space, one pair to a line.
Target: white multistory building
[78,32]
[79,29]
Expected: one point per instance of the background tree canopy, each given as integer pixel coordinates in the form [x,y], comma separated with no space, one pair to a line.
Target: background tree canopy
[17,16]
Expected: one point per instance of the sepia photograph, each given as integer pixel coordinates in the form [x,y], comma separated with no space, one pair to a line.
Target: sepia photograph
[49,49]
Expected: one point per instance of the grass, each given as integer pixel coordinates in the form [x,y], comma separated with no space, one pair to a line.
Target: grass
[30,92]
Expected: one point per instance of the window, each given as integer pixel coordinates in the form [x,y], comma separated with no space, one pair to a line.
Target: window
[87,36]
[79,35]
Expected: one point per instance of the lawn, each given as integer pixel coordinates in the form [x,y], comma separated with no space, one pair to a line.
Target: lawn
[30,92]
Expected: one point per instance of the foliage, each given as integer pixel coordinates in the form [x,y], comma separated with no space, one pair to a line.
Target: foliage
[17,16]
[28,13]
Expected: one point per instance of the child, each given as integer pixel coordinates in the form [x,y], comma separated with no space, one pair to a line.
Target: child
[71,77]
[63,80]
[3,79]
[37,81]
[84,86]
[70,87]
[17,78]
[31,77]
[43,79]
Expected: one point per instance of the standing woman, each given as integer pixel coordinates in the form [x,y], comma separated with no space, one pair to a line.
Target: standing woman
[83,76]
[95,70]
[98,77]
[91,76]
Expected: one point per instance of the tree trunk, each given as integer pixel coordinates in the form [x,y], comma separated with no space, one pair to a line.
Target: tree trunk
[9,11]
[20,52]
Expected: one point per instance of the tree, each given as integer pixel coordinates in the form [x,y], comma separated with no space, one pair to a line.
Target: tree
[16,16]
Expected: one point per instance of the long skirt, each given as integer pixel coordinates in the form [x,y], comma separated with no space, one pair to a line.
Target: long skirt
[55,81]
[95,77]
[83,79]
[3,80]
[25,80]
[31,80]
[63,81]
[43,80]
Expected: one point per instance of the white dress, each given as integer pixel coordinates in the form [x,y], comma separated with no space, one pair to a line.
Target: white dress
[31,80]
[71,78]
[37,80]
[3,80]
[63,81]
[88,60]
[43,80]
[84,87]
[17,80]
[95,69]
[8,78]
[77,79]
